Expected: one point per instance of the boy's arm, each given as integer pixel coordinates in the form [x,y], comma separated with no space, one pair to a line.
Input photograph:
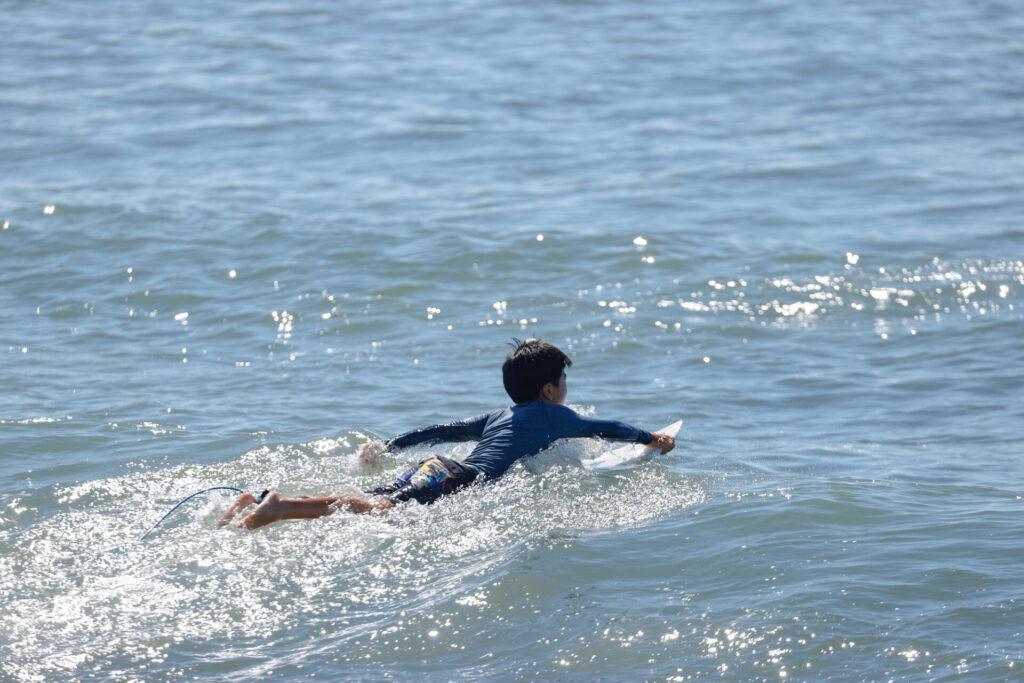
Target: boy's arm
[571,424]
[580,426]
[463,430]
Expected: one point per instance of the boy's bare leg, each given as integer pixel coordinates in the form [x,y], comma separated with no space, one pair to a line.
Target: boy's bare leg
[275,507]
[243,501]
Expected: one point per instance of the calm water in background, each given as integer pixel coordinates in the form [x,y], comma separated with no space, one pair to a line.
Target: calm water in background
[239,239]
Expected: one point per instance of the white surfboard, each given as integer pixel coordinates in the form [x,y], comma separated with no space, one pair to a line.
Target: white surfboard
[630,453]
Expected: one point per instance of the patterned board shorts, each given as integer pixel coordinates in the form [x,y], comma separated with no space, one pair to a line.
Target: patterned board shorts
[432,479]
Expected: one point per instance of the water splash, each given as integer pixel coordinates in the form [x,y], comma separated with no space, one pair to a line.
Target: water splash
[86,596]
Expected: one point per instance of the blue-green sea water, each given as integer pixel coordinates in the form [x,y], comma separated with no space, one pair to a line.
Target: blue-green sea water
[237,240]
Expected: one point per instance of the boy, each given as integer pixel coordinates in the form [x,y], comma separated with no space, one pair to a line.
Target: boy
[534,377]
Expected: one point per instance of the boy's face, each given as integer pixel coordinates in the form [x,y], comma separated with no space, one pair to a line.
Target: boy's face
[557,393]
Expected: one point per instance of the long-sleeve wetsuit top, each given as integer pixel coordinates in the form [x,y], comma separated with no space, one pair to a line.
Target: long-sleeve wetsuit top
[518,431]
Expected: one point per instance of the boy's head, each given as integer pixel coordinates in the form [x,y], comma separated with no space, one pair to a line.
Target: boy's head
[531,367]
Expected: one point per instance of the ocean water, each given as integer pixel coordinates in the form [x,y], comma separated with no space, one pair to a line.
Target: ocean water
[237,240]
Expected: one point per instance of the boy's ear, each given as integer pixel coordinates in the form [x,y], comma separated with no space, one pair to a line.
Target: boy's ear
[546,391]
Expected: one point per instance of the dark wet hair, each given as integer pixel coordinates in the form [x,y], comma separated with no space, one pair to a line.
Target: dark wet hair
[532,364]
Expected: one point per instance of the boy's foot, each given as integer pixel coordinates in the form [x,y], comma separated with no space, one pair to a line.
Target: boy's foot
[268,511]
[243,501]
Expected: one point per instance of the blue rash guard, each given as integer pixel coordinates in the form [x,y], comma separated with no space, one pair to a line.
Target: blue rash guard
[516,432]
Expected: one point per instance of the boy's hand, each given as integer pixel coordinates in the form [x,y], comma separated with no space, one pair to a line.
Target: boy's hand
[371,451]
[663,441]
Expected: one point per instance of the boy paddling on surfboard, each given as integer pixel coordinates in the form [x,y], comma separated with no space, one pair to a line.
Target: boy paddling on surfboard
[534,377]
